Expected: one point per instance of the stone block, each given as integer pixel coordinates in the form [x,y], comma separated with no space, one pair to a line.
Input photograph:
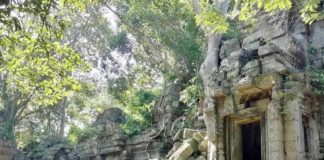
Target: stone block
[262,104]
[252,40]
[110,150]
[201,158]
[277,156]
[272,65]
[286,44]
[317,35]
[228,47]
[229,64]
[275,33]
[275,134]
[294,130]
[189,133]
[173,90]
[251,64]
[292,155]
[219,92]
[185,150]
[198,137]
[224,66]
[210,122]
[318,63]
[203,154]
[228,106]
[268,49]
[222,75]
[253,46]
[211,154]
[176,145]
[175,104]
[203,146]
[275,146]
[291,146]
[233,73]
[191,158]
[236,54]
[299,27]
[111,115]
[252,68]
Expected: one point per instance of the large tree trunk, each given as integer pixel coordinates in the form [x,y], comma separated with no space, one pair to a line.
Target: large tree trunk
[207,70]
[10,106]
[62,118]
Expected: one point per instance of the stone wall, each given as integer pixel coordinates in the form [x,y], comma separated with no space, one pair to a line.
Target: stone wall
[261,82]
[111,144]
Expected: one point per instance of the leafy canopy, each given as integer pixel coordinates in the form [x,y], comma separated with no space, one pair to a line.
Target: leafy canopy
[166,32]
[245,10]
[35,65]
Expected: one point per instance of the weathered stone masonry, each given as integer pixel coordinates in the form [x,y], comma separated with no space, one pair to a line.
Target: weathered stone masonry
[264,108]
[264,105]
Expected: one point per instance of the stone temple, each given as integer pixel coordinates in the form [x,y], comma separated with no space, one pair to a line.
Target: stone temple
[265,107]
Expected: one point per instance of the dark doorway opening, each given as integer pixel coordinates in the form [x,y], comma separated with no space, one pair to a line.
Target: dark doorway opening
[251,141]
[61,155]
[306,135]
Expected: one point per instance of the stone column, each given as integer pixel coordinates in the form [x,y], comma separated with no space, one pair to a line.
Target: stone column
[210,121]
[321,104]
[212,149]
[314,136]
[220,139]
[293,123]
[274,126]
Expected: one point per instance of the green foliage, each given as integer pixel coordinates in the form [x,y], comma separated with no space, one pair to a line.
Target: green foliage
[192,93]
[309,9]
[211,18]
[134,125]
[35,65]
[288,96]
[317,77]
[117,87]
[191,96]
[310,12]
[137,108]
[214,22]
[37,61]
[37,147]
[39,67]
[249,8]
[120,42]
[283,110]
[232,31]
[77,135]
[135,95]
[156,26]
[90,34]
[4,132]
[44,11]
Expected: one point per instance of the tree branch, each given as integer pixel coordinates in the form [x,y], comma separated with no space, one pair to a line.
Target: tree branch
[23,105]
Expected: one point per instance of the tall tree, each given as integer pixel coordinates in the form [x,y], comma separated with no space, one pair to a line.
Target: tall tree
[156,26]
[35,68]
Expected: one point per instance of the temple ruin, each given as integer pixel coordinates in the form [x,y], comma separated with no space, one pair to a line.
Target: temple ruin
[265,108]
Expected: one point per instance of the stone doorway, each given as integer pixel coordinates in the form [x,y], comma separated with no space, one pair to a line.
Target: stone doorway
[61,155]
[251,141]
[245,138]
